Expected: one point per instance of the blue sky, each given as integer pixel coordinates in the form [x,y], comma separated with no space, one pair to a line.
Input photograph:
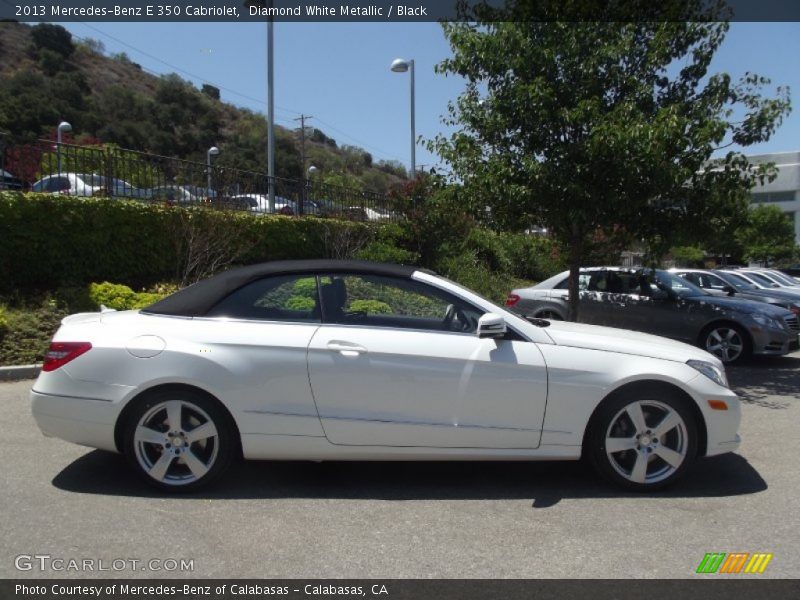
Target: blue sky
[339,72]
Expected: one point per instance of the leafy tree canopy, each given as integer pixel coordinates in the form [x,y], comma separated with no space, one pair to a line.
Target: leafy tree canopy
[768,235]
[607,126]
[54,38]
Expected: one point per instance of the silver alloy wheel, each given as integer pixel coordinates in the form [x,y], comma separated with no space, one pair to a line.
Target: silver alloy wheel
[176,442]
[725,343]
[647,441]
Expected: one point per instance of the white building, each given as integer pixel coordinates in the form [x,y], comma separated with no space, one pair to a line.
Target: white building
[784,191]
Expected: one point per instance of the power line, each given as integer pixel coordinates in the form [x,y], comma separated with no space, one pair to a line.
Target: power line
[367,146]
[287,121]
[180,70]
[234,92]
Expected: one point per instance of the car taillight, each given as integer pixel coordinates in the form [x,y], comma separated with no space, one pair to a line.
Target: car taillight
[60,353]
[512,299]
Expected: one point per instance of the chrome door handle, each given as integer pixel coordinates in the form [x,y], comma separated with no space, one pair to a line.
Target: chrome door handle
[346,348]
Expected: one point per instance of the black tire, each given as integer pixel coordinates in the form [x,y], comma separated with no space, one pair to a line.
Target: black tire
[655,403]
[740,337]
[194,463]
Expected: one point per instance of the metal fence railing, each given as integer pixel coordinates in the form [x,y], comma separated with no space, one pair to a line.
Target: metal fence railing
[49,167]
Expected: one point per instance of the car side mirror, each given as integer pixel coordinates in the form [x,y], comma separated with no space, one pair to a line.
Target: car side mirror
[730,290]
[491,325]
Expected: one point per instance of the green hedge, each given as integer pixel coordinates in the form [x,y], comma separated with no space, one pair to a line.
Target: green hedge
[120,297]
[49,241]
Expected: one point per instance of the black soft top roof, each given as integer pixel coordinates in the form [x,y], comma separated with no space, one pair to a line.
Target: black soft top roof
[199,298]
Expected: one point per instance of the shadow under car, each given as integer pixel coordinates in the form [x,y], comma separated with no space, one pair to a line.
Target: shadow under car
[545,483]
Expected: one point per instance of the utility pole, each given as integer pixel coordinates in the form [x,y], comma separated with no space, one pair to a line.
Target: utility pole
[302,119]
[271,112]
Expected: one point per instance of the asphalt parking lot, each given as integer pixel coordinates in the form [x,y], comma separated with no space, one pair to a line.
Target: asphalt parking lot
[389,520]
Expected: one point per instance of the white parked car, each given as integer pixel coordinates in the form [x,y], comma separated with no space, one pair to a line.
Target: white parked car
[259,203]
[378,214]
[69,184]
[88,184]
[347,360]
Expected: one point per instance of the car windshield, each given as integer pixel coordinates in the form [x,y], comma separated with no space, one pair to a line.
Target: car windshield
[759,278]
[738,282]
[93,180]
[782,278]
[677,285]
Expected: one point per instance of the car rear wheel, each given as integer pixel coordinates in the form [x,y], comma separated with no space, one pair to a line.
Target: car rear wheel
[728,342]
[179,440]
[643,440]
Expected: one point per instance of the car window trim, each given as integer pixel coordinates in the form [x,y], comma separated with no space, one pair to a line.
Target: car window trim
[315,323]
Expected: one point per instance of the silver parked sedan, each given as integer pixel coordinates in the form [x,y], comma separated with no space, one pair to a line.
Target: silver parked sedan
[659,302]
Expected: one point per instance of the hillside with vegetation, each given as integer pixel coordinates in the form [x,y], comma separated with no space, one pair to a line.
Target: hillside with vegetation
[47,76]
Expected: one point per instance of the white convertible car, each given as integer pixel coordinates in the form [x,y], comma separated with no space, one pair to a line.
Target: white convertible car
[335,360]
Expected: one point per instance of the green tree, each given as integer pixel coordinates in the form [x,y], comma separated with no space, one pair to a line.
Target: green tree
[608,126]
[54,38]
[688,256]
[210,91]
[768,235]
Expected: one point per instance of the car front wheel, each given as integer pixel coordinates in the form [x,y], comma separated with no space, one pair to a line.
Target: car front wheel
[179,440]
[728,342]
[643,441]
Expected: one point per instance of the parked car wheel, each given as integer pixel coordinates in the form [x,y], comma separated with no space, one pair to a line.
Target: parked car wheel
[179,440]
[728,342]
[643,439]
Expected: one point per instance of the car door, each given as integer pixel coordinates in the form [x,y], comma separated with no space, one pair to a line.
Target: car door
[260,334]
[598,305]
[649,308]
[397,363]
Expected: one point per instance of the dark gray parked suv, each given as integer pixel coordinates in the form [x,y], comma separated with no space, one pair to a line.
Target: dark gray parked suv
[661,303]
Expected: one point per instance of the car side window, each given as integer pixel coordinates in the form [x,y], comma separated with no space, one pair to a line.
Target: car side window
[693,278]
[583,283]
[292,298]
[598,282]
[58,184]
[714,282]
[378,301]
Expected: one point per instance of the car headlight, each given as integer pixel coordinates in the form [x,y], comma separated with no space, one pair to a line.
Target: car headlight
[710,370]
[768,321]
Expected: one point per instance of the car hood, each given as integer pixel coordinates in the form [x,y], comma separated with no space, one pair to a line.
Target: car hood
[748,307]
[609,339]
[776,294]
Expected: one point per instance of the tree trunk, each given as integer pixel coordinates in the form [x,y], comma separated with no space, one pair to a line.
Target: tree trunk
[575,257]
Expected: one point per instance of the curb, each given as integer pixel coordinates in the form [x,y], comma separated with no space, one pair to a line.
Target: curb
[19,373]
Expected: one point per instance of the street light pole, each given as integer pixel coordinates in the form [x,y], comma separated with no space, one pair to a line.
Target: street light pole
[400,65]
[213,151]
[63,127]
[271,112]
[413,124]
